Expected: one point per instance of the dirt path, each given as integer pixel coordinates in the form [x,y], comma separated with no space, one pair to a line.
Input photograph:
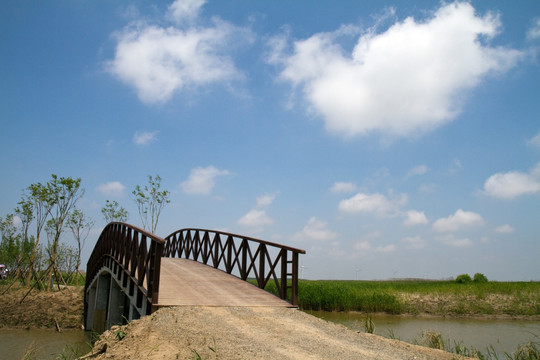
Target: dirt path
[249,333]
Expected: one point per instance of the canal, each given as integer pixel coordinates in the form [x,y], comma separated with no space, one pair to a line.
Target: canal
[503,336]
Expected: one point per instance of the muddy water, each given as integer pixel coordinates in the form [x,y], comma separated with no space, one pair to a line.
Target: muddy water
[502,335]
[47,344]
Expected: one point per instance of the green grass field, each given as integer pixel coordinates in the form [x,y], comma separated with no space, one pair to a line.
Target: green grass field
[444,298]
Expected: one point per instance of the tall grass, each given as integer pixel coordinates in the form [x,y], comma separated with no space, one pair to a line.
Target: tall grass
[413,297]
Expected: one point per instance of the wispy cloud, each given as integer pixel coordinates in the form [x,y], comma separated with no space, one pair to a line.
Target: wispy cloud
[159,61]
[535,141]
[111,188]
[266,199]
[417,170]
[373,203]
[256,218]
[413,242]
[513,184]
[202,180]
[369,90]
[504,229]
[534,30]
[145,137]
[341,187]
[453,241]
[315,229]
[458,221]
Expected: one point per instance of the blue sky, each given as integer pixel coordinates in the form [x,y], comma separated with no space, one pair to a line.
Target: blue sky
[395,140]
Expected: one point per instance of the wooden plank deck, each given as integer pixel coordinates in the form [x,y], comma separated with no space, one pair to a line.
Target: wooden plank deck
[190,283]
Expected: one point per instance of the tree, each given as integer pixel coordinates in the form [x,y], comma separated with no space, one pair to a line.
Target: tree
[150,201]
[10,244]
[80,227]
[480,278]
[37,197]
[64,192]
[463,279]
[112,211]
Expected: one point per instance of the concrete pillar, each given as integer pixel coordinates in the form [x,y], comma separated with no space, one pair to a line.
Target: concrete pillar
[116,305]
[99,324]
[91,305]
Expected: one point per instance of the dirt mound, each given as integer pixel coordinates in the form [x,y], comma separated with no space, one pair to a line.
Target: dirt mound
[41,309]
[248,333]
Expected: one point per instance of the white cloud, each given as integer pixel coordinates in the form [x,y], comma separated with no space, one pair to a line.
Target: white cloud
[504,229]
[266,200]
[145,137]
[461,219]
[315,230]
[386,248]
[341,187]
[185,10]
[111,188]
[373,203]
[414,242]
[417,170]
[403,81]
[256,218]
[159,61]
[450,240]
[534,31]
[535,141]
[513,184]
[362,246]
[415,218]
[202,180]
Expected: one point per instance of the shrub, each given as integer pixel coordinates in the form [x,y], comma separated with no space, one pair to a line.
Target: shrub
[480,278]
[463,279]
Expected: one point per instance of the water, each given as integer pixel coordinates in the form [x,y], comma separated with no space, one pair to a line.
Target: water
[47,343]
[502,335]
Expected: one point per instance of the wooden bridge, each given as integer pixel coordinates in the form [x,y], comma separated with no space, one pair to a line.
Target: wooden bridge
[132,273]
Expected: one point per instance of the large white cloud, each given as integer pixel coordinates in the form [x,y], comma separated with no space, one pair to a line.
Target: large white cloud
[458,221]
[202,180]
[513,184]
[159,61]
[408,79]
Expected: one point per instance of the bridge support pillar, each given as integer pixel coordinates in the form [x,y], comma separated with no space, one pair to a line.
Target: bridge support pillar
[117,312]
[98,299]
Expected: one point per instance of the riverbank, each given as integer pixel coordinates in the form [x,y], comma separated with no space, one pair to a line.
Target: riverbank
[58,309]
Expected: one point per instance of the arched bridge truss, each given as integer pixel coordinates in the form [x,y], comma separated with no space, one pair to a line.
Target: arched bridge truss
[123,272]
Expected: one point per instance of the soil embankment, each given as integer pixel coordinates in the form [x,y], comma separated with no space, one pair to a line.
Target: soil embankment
[39,309]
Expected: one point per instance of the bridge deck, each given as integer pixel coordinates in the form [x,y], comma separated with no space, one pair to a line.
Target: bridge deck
[187,282]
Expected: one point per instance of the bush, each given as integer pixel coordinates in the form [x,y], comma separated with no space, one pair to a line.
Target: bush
[480,278]
[463,279]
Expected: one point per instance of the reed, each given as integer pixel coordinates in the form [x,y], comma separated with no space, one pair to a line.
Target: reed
[415,296]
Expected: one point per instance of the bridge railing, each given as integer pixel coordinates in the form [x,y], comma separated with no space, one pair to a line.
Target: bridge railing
[134,256]
[243,256]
